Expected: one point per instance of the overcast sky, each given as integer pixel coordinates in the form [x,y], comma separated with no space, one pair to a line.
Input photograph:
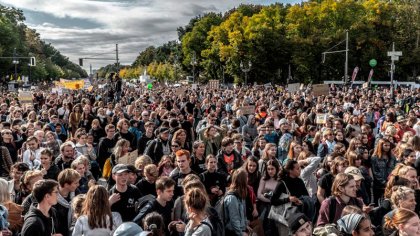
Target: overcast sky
[82,28]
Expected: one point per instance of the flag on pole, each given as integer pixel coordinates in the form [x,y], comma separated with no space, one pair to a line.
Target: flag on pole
[353,77]
[370,75]
[18,78]
[11,77]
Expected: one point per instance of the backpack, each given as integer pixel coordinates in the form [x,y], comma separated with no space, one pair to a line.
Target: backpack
[331,227]
[143,201]
[216,226]
[4,214]
[220,209]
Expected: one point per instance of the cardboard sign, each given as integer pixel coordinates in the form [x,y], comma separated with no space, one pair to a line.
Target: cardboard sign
[194,86]
[293,87]
[320,89]
[180,91]
[321,119]
[25,97]
[247,110]
[129,158]
[365,85]
[214,84]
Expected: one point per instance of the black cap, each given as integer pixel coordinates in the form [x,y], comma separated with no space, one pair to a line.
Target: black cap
[163,130]
[295,221]
[120,168]
[133,169]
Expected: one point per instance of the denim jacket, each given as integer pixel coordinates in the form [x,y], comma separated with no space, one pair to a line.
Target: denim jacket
[235,215]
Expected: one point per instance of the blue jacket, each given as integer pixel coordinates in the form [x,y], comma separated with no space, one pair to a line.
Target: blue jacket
[235,215]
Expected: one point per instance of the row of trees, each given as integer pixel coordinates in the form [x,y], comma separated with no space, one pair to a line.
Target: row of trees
[276,36]
[50,63]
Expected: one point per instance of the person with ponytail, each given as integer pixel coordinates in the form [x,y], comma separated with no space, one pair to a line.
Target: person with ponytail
[403,223]
[153,225]
[196,203]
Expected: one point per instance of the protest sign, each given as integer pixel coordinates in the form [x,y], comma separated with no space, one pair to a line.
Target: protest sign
[293,87]
[321,119]
[247,110]
[25,97]
[320,89]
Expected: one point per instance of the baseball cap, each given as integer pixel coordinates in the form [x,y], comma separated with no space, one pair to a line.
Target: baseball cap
[357,174]
[120,168]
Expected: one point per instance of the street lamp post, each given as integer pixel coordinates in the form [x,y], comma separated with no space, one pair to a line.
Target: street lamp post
[246,70]
[15,62]
[30,72]
[194,63]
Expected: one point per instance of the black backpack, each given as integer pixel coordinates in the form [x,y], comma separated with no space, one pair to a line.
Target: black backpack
[143,201]
[217,226]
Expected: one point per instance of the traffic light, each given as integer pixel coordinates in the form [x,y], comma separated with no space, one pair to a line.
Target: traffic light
[33,61]
[80,61]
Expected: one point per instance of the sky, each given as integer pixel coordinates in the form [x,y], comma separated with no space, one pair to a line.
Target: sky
[85,28]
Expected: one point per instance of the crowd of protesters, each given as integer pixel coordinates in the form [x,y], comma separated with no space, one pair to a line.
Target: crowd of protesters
[346,162]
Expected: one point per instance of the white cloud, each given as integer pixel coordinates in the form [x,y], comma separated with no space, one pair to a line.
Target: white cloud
[133,24]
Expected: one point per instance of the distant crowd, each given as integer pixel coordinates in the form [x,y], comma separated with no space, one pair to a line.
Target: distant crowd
[136,160]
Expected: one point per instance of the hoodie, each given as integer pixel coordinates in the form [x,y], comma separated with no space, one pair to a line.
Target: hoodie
[37,224]
[249,131]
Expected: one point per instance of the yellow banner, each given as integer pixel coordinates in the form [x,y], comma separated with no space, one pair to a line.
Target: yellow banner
[72,84]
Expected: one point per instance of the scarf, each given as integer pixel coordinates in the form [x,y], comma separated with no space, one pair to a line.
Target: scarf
[62,201]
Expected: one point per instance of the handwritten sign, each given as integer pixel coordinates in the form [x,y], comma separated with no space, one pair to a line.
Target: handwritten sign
[321,119]
[214,84]
[247,110]
[25,97]
[320,89]
[129,158]
[293,87]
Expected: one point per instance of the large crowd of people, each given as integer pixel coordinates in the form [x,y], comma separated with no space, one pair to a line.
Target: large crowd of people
[256,160]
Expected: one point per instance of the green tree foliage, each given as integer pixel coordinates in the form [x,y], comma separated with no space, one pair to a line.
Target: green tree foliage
[276,36]
[50,64]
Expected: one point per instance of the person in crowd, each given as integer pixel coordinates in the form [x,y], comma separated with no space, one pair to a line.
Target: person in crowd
[41,220]
[29,179]
[68,181]
[327,145]
[48,168]
[52,142]
[123,196]
[197,158]
[183,169]
[338,165]
[268,184]
[67,156]
[215,182]
[123,133]
[75,118]
[159,146]
[299,225]
[254,176]
[14,211]
[234,205]
[228,159]
[6,162]
[355,224]
[106,145]
[196,203]
[97,217]
[32,155]
[15,183]
[166,166]
[269,153]
[146,137]
[212,136]
[403,222]
[147,184]
[153,225]
[344,194]
[383,162]
[163,204]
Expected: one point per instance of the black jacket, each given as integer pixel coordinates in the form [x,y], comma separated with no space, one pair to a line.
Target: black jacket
[154,149]
[222,165]
[37,224]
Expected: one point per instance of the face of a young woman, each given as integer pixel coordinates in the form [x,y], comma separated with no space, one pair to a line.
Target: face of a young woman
[365,229]
[411,228]
[252,167]
[409,202]
[304,230]
[271,171]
